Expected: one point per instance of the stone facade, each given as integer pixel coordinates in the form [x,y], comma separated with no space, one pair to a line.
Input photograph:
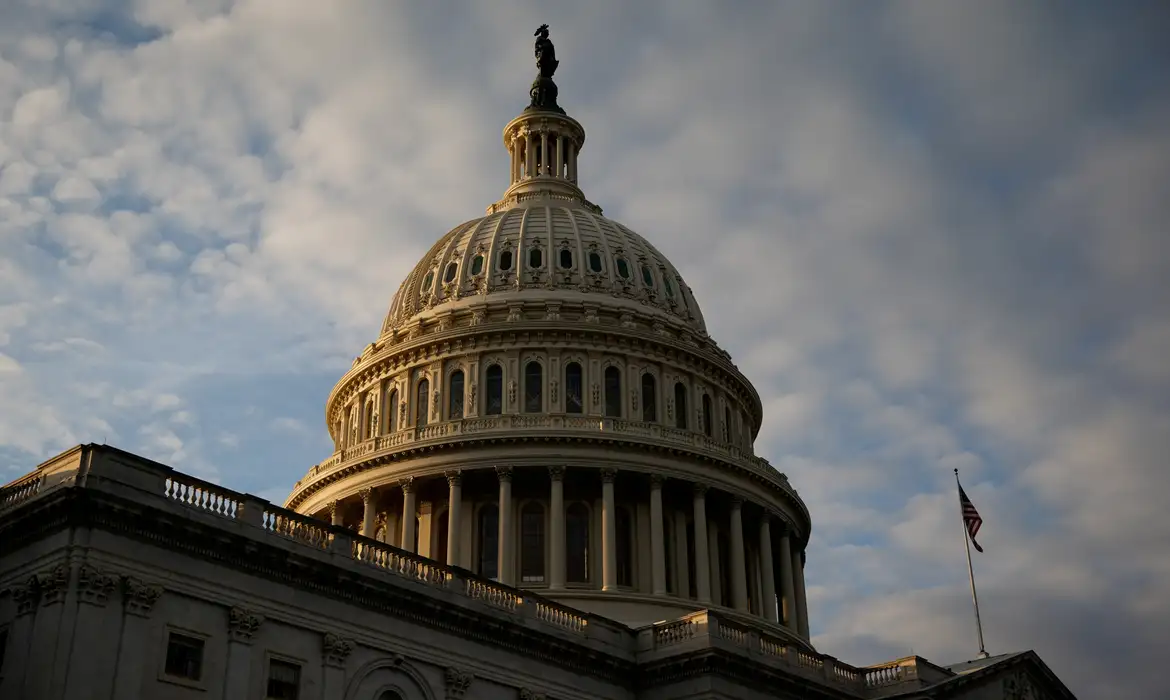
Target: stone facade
[121,578]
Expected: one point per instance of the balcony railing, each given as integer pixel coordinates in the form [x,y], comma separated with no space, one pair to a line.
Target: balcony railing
[490,426]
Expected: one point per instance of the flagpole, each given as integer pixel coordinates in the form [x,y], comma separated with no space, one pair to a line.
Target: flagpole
[971,573]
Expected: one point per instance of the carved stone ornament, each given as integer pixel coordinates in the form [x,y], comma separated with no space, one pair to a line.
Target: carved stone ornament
[596,390]
[556,473]
[471,395]
[435,405]
[402,414]
[454,477]
[526,694]
[94,585]
[608,475]
[457,681]
[634,400]
[552,391]
[26,596]
[504,473]
[335,650]
[53,584]
[512,392]
[670,409]
[242,624]
[138,596]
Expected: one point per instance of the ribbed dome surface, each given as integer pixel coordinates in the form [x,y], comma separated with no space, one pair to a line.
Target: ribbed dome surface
[544,248]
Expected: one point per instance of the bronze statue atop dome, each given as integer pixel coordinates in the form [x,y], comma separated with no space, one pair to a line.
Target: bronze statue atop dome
[544,90]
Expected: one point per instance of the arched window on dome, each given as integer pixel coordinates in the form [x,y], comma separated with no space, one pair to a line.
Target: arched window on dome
[422,403]
[449,273]
[647,277]
[566,259]
[533,387]
[428,283]
[623,268]
[573,389]
[535,258]
[390,695]
[624,539]
[649,398]
[667,285]
[455,395]
[595,264]
[532,543]
[494,391]
[392,407]
[577,554]
[708,420]
[487,541]
[505,261]
[477,264]
[680,406]
[613,392]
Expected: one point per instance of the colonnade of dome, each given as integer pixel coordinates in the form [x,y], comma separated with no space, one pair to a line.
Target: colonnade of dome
[544,407]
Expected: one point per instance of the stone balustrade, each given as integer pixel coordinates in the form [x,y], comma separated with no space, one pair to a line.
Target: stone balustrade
[553,426]
[21,490]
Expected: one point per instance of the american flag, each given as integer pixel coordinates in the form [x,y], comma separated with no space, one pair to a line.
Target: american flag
[970,517]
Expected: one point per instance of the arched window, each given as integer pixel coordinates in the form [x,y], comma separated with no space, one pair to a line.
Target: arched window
[488,540]
[533,387]
[428,282]
[449,273]
[577,560]
[392,407]
[422,406]
[624,535]
[535,258]
[707,419]
[477,265]
[680,406]
[566,259]
[372,417]
[494,395]
[623,268]
[505,261]
[613,392]
[595,262]
[390,695]
[455,396]
[573,387]
[532,543]
[647,277]
[726,424]
[667,285]
[649,398]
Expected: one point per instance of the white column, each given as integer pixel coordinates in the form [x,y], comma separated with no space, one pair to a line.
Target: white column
[787,587]
[426,529]
[767,578]
[680,566]
[801,600]
[573,162]
[336,513]
[657,546]
[409,514]
[608,532]
[739,595]
[714,561]
[560,162]
[369,504]
[507,571]
[454,511]
[557,528]
[702,560]
[514,152]
[529,154]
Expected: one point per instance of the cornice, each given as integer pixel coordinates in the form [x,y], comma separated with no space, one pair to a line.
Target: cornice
[768,681]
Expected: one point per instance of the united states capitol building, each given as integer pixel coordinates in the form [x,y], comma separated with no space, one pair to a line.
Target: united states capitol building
[544,485]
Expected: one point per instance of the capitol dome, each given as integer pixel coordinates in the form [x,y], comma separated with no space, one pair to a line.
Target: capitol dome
[543,407]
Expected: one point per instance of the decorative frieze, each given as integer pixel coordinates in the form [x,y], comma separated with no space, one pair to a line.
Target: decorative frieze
[243,624]
[335,649]
[94,585]
[139,597]
[26,596]
[52,585]
[457,682]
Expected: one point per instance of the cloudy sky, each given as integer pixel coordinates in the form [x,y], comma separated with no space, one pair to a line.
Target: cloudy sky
[934,234]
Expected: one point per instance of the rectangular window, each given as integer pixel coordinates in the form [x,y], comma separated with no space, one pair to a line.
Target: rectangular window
[184,657]
[284,680]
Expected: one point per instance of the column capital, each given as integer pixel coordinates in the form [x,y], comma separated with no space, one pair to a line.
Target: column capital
[454,477]
[657,480]
[608,475]
[765,517]
[504,473]
[333,506]
[700,489]
[407,484]
[736,503]
[367,493]
[556,473]
[242,624]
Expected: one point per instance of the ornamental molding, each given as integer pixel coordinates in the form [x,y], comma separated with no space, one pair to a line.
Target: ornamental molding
[139,597]
[26,596]
[243,624]
[53,584]
[526,694]
[94,585]
[457,682]
[335,649]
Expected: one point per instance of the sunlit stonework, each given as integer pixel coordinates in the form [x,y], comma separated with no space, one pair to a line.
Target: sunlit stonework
[544,485]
